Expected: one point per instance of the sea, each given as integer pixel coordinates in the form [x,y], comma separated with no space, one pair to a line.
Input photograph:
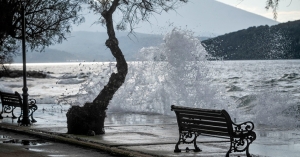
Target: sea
[177,72]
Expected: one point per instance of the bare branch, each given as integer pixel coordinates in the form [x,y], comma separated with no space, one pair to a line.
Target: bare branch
[274,5]
[135,11]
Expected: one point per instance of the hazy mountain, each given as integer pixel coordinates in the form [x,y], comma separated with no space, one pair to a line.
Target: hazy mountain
[204,17]
[90,46]
[49,55]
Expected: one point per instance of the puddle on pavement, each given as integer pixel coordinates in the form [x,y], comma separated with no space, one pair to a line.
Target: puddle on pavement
[4,137]
[25,142]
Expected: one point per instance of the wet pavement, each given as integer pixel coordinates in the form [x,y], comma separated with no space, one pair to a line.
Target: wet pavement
[132,134]
[18,145]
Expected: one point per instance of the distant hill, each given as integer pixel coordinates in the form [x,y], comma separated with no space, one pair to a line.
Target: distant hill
[205,18]
[90,46]
[280,41]
[50,55]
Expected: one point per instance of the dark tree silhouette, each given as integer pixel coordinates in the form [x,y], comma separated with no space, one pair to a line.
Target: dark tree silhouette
[47,23]
[90,117]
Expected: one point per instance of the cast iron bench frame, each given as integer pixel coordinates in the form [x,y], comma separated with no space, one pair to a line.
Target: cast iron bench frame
[10,101]
[193,122]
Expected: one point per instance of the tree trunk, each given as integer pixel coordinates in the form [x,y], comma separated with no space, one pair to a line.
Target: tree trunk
[90,117]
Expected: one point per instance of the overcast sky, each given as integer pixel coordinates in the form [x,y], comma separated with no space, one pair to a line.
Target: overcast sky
[289,10]
[209,17]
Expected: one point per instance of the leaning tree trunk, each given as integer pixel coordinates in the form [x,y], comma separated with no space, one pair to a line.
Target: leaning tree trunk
[89,119]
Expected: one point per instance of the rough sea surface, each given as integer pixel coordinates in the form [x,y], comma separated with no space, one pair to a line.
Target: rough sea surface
[177,72]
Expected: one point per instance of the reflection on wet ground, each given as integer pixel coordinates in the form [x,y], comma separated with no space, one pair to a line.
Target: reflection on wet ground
[126,118]
[16,145]
[25,142]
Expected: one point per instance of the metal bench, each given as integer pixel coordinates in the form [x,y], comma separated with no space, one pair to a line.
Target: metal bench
[10,101]
[193,122]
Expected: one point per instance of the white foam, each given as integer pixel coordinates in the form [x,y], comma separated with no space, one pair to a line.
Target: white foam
[5,89]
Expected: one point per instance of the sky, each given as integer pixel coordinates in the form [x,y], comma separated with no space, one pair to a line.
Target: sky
[289,10]
[208,17]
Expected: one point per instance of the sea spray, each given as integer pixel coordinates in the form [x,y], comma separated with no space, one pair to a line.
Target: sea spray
[177,72]
[94,83]
[5,89]
[173,73]
[275,109]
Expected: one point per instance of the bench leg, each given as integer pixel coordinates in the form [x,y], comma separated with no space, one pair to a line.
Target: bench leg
[33,108]
[13,115]
[32,119]
[177,150]
[19,119]
[197,149]
[230,148]
[1,113]
[242,144]
[30,114]
[183,136]
[247,152]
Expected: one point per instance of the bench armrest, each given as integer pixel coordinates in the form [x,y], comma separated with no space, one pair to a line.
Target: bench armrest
[31,101]
[243,127]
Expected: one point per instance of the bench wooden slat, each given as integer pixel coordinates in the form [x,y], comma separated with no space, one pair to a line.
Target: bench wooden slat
[209,112]
[213,123]
[219,119]
[202,114]
[173,107]
[9,97]
[215,134]
[14,101]
[207,128]
[207,132]
[6,97]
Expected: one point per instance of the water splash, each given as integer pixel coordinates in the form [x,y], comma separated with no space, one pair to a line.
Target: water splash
[173,73]
[177,72]
[275,109]
[279,45]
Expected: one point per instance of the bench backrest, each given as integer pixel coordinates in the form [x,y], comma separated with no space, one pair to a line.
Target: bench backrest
[11,99]
[203,121]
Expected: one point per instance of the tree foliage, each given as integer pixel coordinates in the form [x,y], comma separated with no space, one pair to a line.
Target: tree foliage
[133,11]
[47,22]
[274,5]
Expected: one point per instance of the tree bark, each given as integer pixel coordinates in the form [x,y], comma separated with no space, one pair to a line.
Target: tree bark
[90,117]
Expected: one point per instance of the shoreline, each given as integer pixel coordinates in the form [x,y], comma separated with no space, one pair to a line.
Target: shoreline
[19,73]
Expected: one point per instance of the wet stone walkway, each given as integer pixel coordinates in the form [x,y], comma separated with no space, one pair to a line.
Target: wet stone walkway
[17,145]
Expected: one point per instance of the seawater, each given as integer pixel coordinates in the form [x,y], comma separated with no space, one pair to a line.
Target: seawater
[178,72]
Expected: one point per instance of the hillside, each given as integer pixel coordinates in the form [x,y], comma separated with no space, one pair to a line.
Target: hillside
[205,18]
[49,55]
[280,41]
[90,46]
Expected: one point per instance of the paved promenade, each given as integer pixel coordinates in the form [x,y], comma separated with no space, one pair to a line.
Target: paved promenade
[137,134]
